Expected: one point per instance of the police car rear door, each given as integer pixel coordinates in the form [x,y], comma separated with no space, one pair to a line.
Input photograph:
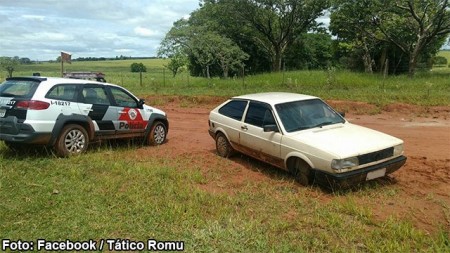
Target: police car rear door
[96,104]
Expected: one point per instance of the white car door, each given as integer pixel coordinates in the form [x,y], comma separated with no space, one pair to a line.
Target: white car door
[231,114]
[261,144]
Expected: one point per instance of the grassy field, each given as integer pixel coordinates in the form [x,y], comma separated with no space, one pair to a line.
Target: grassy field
[430,88]
[119,193]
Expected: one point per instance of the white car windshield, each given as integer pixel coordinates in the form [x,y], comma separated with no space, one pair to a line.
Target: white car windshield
[305,114]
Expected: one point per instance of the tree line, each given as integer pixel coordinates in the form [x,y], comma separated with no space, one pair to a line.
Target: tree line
[236,37]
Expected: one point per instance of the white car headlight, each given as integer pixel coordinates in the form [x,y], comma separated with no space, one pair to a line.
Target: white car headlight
[398,150]
[338,164]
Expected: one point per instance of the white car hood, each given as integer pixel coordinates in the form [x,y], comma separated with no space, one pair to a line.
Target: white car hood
[345,140]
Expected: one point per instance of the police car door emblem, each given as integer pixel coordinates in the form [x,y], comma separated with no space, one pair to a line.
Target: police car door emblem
[132,113]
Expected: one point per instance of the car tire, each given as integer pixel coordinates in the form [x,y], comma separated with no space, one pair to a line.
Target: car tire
[72,140]
[158,134]
[223,146]
[302,172]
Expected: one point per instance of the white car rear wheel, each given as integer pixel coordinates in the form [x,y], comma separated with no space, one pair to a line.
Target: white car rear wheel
[223,146]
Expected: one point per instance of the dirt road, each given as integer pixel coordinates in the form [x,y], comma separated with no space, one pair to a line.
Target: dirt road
[419,191]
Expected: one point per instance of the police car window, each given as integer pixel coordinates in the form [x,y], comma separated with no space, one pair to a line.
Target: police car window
[259,114]
[18,88]
[65,92]
[234,109]
[95,95]
[122,98]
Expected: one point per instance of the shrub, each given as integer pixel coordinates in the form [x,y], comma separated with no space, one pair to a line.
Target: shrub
[138,67]
[440,60]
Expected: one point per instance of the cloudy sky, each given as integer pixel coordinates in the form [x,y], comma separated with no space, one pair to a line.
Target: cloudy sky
[40,29]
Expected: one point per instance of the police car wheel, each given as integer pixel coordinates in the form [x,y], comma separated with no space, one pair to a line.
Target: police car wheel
[72,140]
[158,133]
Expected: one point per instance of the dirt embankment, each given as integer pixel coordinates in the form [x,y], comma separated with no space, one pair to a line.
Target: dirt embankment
[421,189]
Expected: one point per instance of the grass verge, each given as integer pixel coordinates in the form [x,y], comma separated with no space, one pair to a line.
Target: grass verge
[123,194]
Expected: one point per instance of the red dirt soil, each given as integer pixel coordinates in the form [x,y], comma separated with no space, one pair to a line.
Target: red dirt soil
[418,192]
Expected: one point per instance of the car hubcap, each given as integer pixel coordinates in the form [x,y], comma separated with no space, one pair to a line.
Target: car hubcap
[160,134]
[75,141]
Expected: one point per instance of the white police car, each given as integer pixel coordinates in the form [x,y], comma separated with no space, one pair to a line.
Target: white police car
[68,114]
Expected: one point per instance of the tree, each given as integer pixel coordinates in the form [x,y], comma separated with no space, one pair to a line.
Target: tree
[25,60]
[274,24]
[310,51]
[9,64]
[229,56]
[440,60]
[414,25]
[202,46]
[176,62]
[138,67]
[351,22]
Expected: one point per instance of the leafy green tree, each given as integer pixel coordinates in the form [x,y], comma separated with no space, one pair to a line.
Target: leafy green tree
[310,51]
[351,22]
[9,64]
[274,24]
[25,61]
[138,67]
[176,62]
[414,26]
[440,60]
[202,46]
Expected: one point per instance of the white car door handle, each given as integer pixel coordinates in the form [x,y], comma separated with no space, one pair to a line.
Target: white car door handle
[88,110]
[122,112]
[244,127]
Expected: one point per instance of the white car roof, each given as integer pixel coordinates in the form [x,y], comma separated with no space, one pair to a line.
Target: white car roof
[274,98]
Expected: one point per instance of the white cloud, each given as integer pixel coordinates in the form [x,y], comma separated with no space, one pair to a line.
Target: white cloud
[33,17]
[144,32]
[48,36]
[40,29]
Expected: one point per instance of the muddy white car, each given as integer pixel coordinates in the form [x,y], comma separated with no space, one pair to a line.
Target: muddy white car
[305,136]
[68,114]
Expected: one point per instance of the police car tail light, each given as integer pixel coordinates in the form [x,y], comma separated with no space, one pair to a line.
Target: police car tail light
[32,105]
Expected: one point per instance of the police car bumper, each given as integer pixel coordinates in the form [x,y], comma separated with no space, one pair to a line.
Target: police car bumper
[13,131]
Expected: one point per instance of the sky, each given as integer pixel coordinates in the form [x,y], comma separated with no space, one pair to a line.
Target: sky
[41,29]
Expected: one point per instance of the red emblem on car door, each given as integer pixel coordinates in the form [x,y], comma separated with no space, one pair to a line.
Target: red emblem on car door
[131,118]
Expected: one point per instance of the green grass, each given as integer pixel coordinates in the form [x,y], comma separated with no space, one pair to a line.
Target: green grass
[427,88]
[121,194]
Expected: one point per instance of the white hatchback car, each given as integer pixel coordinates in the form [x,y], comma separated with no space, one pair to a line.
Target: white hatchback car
[304,135]
[67,114]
